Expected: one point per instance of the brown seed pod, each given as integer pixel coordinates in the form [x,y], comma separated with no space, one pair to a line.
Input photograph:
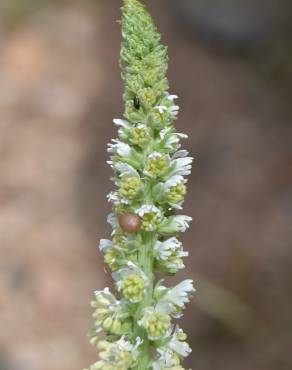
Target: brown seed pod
[130,223]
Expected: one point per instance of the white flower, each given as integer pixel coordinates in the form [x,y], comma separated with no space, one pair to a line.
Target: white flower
[170,253]
[120,148]
[106,305]
[168,359]
[180,154]
[121,354]
[161,108]
[125,169]
[173,109]
[105,244]
[179,346]
[148,208]
[181,222]
[106,298]
[173,181]
[112,220]
[127,346]
[173,191]
[157,164]
[113,197]
[136,282]
[182,164]
[179,295]
[151,217]
[175,224]
[168,247]
[123,273]
[156,322]
[171,139]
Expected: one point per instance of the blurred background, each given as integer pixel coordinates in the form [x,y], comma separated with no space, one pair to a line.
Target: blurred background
[60,88]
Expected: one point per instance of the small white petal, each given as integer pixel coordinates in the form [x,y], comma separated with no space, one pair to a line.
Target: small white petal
[180,154]
[105,244]
[126,170]
[173,181]
[147,208]
[171,97]
[112,220]
[179,295]
[182,166]
[121,122]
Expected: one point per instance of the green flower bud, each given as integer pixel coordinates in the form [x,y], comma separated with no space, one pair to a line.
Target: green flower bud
[176,194]
[157,164]
[120,239]
[150,221]
[173,264]
[131,113]
[110,257]
[129,187]
[151,217]
[116,327]
[159,120]
[133,288]
[157,324]
[123,361]
[147,96]
[135,83]
[112,357]
[107,324]
[151,77]
[141,135]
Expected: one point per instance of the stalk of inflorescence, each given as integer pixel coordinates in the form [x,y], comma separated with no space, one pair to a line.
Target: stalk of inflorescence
[139,325]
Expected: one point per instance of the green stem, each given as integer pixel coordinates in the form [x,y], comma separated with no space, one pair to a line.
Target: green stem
[145,259]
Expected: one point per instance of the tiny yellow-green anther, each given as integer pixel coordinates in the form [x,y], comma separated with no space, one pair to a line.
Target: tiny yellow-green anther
[157,165]
[176,194]
[140,136]
[133,288]
[157,325]
[150,221]
[147,96]
[129,187]
[160,119]
[135,83]
[151,77]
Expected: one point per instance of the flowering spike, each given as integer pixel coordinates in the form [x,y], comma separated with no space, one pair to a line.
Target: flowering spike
[150,171]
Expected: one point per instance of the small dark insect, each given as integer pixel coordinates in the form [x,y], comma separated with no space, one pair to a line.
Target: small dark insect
[130,223]
[137,102]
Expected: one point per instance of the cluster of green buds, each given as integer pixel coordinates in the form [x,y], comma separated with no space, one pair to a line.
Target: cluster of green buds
[150,173]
